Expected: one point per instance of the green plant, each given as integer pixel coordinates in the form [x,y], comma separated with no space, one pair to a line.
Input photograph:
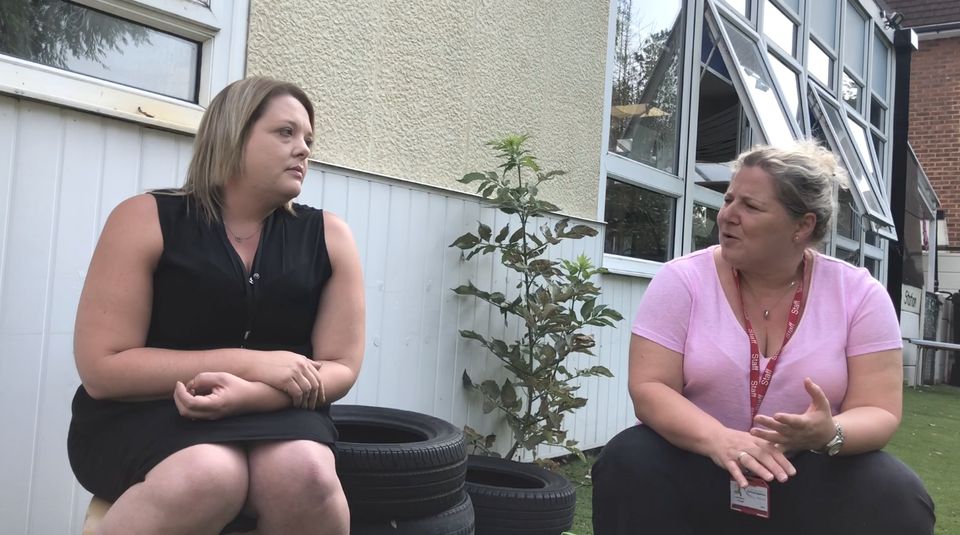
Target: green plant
[555,301]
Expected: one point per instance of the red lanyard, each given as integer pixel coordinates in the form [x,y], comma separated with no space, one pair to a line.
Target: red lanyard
[758,383]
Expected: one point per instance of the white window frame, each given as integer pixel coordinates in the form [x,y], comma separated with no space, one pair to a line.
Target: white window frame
[221,30]
[715,20]
[641,175]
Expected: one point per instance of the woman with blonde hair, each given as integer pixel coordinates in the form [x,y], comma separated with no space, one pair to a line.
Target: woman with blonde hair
[217,323]
[767,378]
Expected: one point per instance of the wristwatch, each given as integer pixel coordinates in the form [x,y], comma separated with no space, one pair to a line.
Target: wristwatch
[832,447]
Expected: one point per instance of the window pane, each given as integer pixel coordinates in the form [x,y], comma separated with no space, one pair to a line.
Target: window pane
[779,29]
[872,265]
[794,4]
[879,147]
[823,22]
[644,122]
[848,220]
[705,230]
[819,64]
[858,175]
[759,84]
[859,136]
[790,83]
[881,61]
[639,222]
[854,40]
[848,256]
[741,6]
[851,91]
[79,39]
[877,113]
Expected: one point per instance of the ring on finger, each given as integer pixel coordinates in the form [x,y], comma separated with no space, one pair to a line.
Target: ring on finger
[740,457]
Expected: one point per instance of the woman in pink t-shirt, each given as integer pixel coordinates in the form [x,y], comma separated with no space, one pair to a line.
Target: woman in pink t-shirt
[767,377]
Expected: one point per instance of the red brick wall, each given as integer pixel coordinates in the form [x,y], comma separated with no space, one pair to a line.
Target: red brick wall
[935,122]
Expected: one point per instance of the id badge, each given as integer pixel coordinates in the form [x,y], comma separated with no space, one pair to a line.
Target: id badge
[753,500]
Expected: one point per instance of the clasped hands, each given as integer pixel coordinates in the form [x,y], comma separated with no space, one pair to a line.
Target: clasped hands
[763,450]
[215,395]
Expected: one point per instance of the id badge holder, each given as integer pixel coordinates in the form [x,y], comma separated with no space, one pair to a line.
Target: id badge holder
[752,500]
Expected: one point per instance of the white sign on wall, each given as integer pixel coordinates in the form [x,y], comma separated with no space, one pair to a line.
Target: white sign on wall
[911,299]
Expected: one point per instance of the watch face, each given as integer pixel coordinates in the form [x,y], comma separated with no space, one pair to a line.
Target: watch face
[834,449]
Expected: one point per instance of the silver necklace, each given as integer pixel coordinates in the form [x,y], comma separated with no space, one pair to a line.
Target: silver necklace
[766,309]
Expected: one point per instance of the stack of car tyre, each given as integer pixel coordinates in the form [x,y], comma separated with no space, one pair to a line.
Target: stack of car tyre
[403,472]
[511,498]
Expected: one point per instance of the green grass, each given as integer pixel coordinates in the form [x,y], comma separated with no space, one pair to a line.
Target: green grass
[928,441]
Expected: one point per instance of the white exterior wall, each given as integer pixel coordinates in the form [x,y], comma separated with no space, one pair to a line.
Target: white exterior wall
[62,171]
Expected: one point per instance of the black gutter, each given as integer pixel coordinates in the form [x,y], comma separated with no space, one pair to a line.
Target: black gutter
[937,28]
[904,42]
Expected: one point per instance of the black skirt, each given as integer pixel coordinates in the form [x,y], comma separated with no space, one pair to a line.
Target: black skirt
[113,445]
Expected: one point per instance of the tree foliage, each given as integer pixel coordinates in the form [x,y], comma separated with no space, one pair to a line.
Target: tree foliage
[555,301]
[50,32]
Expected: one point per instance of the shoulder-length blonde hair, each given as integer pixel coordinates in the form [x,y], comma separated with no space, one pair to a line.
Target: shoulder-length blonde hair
[223,132]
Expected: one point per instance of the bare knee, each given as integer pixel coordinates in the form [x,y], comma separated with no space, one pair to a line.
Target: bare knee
[293,469]
[203,473]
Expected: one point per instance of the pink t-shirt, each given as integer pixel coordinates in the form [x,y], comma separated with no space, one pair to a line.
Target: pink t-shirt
[848,313]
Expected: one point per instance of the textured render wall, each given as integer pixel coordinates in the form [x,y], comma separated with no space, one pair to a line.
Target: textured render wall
[935,122]
[413,89]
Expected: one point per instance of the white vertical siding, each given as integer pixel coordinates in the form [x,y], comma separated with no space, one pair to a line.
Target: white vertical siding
[62,172]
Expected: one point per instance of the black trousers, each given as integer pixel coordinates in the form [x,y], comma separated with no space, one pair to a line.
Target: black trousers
[642,484]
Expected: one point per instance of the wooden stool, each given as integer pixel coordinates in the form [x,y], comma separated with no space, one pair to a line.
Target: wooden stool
[99,507]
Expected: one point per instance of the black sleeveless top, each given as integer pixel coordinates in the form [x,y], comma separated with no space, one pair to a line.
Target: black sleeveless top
[204,299]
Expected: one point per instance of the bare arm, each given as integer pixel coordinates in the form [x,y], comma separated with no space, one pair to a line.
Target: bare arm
[113,317]
[869,414]
[871,411]
[338,332]
[656,383]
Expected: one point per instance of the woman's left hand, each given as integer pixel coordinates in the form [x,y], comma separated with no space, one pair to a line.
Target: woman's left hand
[807,431]
[212,395]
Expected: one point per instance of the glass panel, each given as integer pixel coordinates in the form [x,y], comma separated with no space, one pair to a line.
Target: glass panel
[823,22]
[779,29]
[790,83]
[877,113]
[851,91]
[870,237]
[79,39]
[759,84]
[644,122]
[872,265]
[881,62]
[848,256]
[848,220]
[705,230]
[710,55]
[859,136]
[858,175]
[639,222]
[819,64]
[741,6]
[854,40]
[879,146]
[794,4]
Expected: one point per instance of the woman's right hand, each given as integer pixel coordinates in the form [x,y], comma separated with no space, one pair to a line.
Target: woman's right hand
[296,375]
[739,451]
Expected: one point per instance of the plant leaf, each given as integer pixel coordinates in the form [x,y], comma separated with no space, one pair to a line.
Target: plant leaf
[472,177]
[467,241]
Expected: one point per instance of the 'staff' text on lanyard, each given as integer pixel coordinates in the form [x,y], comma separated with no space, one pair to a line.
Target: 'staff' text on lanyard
[758,383]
